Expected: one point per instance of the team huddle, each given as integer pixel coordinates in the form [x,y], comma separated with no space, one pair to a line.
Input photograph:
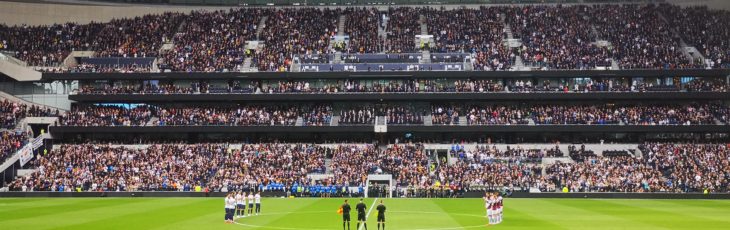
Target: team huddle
[493,203]
[236,205]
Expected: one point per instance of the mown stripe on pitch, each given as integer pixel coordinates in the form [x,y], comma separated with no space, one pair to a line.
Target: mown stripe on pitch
[531,214]
[157,213]
[20,200]
[519,219]
[682,215]
[471,206]
[589,214]
[190,211]
[719,205]
[397,215]
[290,205]
[41,203]
[51,207]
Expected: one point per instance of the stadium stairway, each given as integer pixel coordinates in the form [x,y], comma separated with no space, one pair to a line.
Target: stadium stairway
[382,35]
[427,120]
[17,69]
[260,27]
[530,122]
[718,122]
[246,66]
[690,52]
[328,166]
[341,25]
[614,64]
[152,121]
[167,45]
[10,161]
[335,121]
[300,122]
[594,32]
[425,57]
[381,120]
[519,64]
[424,26]
[507,28]
[462,121]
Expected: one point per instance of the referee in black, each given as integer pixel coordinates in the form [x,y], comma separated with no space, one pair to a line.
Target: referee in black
[345,215]
[381,215]
[361,215]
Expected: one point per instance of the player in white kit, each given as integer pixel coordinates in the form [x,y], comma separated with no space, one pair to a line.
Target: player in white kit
[240,204]
[230,207]
[250,204]
[257,198]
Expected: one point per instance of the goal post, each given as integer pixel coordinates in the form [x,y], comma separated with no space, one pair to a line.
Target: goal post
[379,185]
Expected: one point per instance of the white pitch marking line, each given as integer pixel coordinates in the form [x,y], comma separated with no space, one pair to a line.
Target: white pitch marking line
[415,212]
[368,215]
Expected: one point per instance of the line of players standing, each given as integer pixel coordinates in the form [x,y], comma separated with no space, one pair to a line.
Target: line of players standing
[493,203]
[362,215]
[236,205]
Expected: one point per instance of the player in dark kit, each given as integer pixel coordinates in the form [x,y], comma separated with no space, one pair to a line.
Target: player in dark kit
[345,215]
[381,215]
[361,215]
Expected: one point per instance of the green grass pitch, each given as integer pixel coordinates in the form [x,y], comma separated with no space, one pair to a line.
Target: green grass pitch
[402,214]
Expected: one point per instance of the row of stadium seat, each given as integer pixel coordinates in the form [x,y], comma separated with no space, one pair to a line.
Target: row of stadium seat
[286,166]
[391,86]
[473,114]
[543,37]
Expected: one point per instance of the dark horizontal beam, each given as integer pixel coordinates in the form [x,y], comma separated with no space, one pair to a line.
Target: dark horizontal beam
[387,74]
[61,130]
[151,98]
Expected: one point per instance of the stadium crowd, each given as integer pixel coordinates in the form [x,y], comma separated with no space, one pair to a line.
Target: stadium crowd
[552,37]
[255,166]
[351,163]
[401,115]
[87,115]
[213,41]
[557,37]
[689,114]
[10,142]
[362,26]
[402,27]
[307,30]
[704,29]
[12,112]
[641,38]
[363,115]
[489,168]
[661,168]
[50,45]
[397,86]
[475,114]
[286,166]
[236,116]
[464,30]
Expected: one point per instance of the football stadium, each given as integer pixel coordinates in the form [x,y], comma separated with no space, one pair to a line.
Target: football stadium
[364,114]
